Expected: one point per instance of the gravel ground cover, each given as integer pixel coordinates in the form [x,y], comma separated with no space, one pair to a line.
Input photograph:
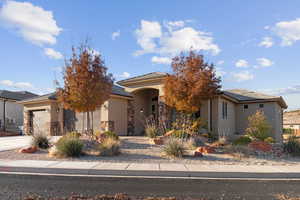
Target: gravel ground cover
[139,150]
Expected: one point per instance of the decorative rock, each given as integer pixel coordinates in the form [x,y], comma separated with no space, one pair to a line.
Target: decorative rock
[198,154]
[158,141]
[260,146]
[52,152]
[169,133]
[28,150]
[206,150]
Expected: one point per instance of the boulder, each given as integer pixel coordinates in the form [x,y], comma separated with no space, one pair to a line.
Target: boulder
[206,150]
[28,150]
[260,146]
[158,140]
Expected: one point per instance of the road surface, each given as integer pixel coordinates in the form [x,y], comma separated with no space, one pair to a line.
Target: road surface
[17,186]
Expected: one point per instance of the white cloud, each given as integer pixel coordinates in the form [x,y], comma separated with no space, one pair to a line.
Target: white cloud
[161,60]
[242,63]
[33,23]
[263,62]
[220,72]
[295,89]
[153,39]
[288,31]
[242,76]
[146,34]
[51,53]
[124,75]
[179,23]
[116,34]
[220,62]
[266,42]
[17,85]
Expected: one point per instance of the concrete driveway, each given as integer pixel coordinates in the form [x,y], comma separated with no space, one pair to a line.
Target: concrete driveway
[15,142]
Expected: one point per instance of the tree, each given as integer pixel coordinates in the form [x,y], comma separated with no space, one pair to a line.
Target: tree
[192,82]
[87,85]
[258,126]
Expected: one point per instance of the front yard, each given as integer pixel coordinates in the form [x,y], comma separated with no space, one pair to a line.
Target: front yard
[139,150]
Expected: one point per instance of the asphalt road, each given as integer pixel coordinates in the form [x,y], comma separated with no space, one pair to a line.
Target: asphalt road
[17,186]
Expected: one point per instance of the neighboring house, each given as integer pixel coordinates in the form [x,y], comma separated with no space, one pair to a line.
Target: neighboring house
[291,120]
[11,111]
[226,114]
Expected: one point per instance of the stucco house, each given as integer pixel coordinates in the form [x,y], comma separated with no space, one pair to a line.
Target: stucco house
[11,113]
[226,114]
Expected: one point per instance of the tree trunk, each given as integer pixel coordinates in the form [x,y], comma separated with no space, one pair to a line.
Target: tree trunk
[92,122]
[83,122]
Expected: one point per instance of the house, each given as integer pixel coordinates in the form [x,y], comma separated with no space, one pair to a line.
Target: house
[291,120]
[11,113]
[226,114]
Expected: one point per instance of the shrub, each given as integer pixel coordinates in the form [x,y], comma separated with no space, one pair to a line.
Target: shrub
[151,132]
[292,146]
[243,140]
[180,134]
[174,147]
[69,146]
[109,147]
[258,127]
[73,134]
[40,141]
[269,140]
[107,134]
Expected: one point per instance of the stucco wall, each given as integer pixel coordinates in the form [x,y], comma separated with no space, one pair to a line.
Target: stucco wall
[271,110]
[81,122]
[118,115]
[13,112]
[226,126]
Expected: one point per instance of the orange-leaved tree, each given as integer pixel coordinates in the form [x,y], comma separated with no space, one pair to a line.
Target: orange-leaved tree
[87,84]
[193,81]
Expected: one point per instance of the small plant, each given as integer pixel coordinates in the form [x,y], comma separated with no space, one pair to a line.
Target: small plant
[180,134]
[151,132]
[292,146]
[69,147]
[174,147]
[269,140]
[109,147]
[194,142]
[243,140]
[73,134]
[41,141]
[107,134]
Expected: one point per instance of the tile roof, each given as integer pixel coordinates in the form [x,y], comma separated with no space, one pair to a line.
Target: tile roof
[117,90]
[19,95]
[246,95]
[143,77]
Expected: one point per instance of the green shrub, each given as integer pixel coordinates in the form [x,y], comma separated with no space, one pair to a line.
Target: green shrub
[180,134]
[174,147]
[288,131]
[243,140]
[292,146]
[73,134]
[269,140]
[40,141]
[258,127]
[109,147]
[107,134]
[69,146]
[151,132]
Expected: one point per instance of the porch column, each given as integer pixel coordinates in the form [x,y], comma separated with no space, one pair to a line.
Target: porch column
[209,114]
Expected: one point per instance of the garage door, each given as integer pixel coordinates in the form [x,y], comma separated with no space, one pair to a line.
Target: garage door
[41,122]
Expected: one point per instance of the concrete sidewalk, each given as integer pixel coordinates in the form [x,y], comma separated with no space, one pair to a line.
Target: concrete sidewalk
[149,170]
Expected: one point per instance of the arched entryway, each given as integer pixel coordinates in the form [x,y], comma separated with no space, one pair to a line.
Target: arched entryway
[145,103]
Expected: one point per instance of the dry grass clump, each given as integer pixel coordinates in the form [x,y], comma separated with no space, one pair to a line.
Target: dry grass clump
[109,147]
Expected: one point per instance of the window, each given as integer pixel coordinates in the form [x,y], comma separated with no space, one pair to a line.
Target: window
[245,106]
[261,105]
[224,110]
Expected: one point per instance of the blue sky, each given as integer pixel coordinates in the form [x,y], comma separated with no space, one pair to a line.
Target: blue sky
[254,44]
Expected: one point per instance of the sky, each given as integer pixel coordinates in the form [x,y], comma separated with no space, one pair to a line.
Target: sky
[254,45]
